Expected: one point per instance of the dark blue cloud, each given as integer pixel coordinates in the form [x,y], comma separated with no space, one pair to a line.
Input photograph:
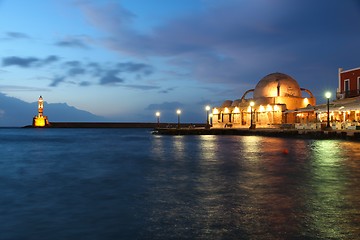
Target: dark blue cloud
[56,81]
[72,43]
[239,42]
[28,62]
[20,62]
[85,83]
[74,71]
[141,87]
[111,75]
[74,68]
[167,90]
[131,67]
[110,78]
[17,35]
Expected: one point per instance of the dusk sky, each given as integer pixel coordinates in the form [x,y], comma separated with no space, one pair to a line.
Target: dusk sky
[126,59]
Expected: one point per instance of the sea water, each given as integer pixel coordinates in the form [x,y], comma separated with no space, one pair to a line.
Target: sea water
[131,184]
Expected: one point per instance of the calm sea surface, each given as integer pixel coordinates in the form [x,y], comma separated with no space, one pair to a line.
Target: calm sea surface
[130,184]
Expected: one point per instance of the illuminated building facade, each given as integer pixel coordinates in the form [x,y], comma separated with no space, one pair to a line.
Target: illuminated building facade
[276,99]
[40,120]
[349,83]
[344,112]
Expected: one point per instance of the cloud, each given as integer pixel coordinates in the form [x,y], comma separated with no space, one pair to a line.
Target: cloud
[72,43]
[50,59]
[108,16]
[141,87]
[85,83]
[111,75]
[56,81]
[97,73]
[28,62]
[240,41]
[20,62]
[17,35]
[167,90]
[131,67]
[74,68]
[110,78]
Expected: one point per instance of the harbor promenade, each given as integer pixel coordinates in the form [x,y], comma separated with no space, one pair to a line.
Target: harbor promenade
[271,132]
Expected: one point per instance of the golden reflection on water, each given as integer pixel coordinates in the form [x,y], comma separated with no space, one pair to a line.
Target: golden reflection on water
[269,185]
[158,148]
[251,183]
[208,147]
[332,183]
[251,145]
[179,146]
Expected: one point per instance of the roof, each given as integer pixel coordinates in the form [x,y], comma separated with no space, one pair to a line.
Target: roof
[277,84]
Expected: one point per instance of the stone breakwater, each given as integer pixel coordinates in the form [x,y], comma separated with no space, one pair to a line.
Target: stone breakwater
[116,125]
[293,133]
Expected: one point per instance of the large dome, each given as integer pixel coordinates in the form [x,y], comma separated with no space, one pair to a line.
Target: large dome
[277,85]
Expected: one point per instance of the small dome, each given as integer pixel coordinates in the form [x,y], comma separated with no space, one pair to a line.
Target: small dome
[236,103]
[226,103]
[277,85]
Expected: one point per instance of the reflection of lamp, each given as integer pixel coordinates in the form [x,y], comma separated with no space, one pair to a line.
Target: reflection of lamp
[252,126]
[178,112]
[328,95]
[157,114]
[207,108]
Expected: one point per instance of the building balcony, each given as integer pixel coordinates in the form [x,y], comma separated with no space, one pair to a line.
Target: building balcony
[348,94]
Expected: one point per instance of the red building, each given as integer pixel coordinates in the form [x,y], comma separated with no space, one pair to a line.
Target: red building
[349,83]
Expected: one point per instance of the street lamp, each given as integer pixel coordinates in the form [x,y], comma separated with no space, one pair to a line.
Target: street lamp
[178,112]
[207,108]
[328,95]
[252,126]
[157,114]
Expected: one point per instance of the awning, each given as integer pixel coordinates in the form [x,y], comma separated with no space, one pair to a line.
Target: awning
[340,106]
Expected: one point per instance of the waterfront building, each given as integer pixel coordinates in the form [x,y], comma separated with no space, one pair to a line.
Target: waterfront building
[40,120]
[344,111]
[349,83]
[275,102]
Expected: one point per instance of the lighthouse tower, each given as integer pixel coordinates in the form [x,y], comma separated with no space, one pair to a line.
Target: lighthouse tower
[40,107]
[40,120]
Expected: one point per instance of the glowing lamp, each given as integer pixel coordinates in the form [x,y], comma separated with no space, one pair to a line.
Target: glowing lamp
[328,95]
[178,112]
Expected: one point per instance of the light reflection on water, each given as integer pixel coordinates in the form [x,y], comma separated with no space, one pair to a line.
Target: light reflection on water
[249,187]
[129,184]
[333,185]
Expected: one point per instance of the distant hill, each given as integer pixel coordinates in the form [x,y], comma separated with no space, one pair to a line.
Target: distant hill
[15,112]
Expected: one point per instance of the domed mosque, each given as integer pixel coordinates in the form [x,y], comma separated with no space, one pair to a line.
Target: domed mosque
[276,100]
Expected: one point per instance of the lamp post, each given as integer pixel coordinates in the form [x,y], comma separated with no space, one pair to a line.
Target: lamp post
[157,114]
[328,95]
[207,108]
[252,126]
[178,112]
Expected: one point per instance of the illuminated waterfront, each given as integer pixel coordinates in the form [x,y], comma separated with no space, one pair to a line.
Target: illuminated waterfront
[130,184]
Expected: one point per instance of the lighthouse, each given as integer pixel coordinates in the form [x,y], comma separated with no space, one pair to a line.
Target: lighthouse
[40,120]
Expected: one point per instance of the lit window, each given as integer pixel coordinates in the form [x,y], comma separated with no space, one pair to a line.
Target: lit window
[261,108]
[236,110]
